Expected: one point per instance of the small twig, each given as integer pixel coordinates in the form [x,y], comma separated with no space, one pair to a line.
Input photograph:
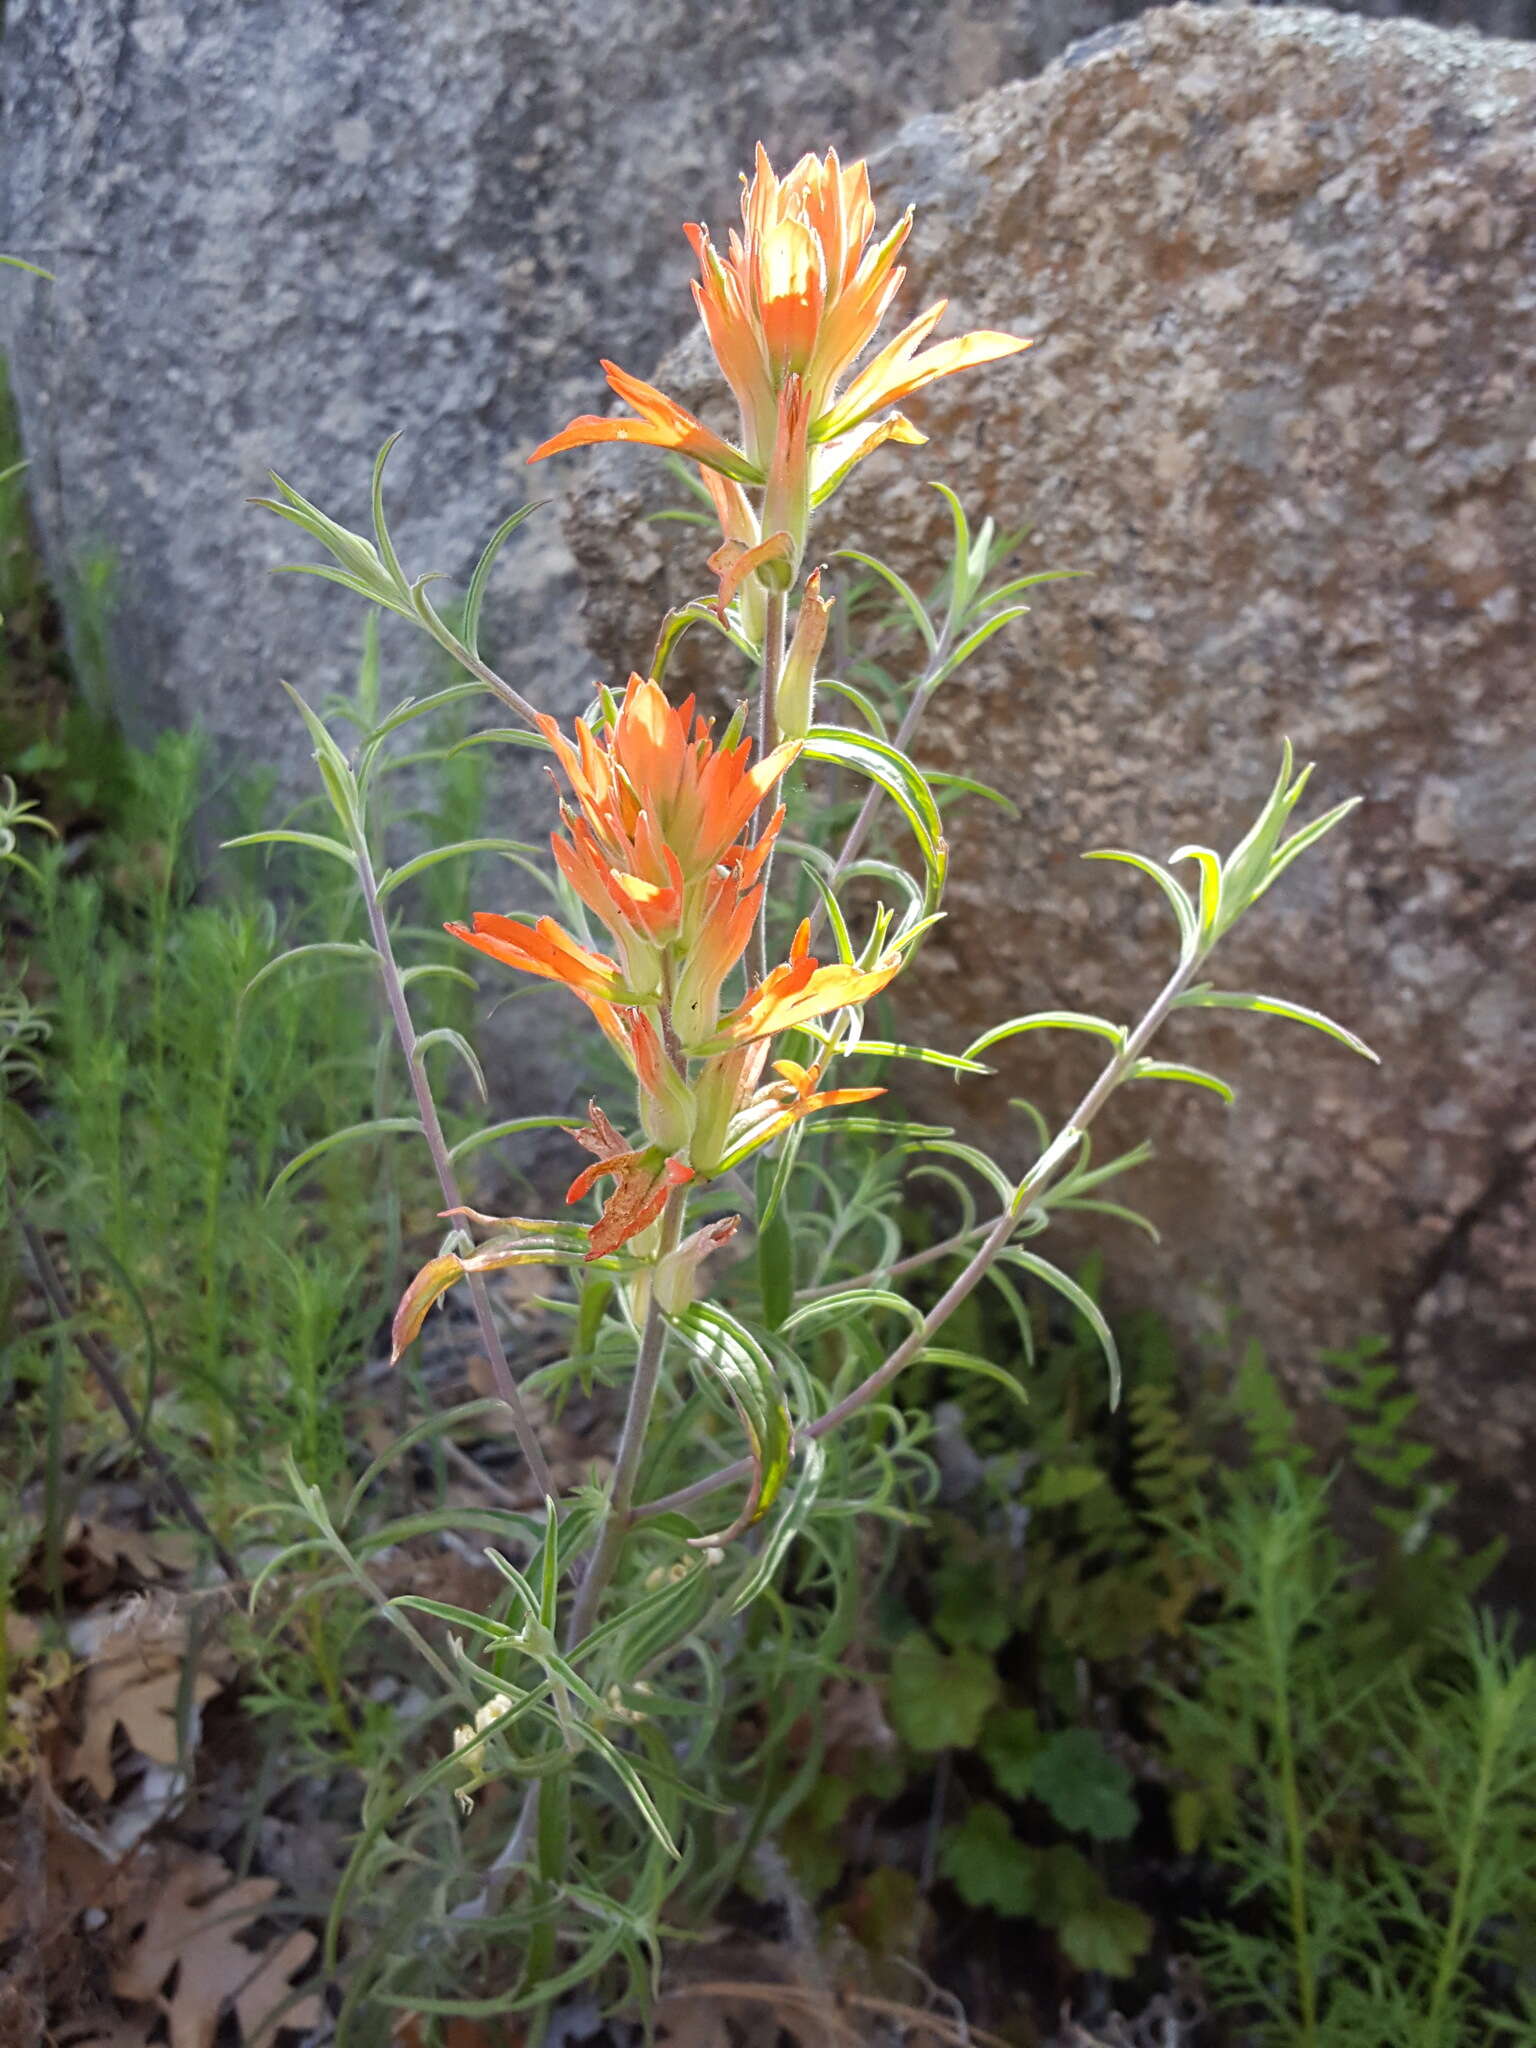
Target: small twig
[110,1381]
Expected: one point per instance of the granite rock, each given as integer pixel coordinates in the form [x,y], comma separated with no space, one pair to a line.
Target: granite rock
[1282,409]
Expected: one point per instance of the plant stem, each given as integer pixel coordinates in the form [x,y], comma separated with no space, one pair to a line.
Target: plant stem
[1277,1648]
[617,1520]
[1035,1182]
[767,739]
[447,1179]
[483,673]
[626,1464]
[1494,1728]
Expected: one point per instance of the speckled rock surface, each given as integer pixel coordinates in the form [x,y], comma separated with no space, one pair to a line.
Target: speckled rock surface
[283,232]
[1282,268]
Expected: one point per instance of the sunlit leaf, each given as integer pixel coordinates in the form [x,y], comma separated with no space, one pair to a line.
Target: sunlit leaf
[1046,1020]
[1273,1006]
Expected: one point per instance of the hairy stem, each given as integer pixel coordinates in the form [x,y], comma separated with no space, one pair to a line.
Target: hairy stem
[767,739]
[626,1464]
[447,1180]
[484,673]
[1035,1182]
[616,1523]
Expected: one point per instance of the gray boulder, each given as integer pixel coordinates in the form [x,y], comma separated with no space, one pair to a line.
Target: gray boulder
[1282,270]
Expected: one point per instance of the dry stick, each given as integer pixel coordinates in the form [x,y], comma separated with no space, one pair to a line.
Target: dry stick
[447,1179]
[1035,1182]
[101,1365]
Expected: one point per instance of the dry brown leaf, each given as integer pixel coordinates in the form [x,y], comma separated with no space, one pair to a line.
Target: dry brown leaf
[136,1681]
[193,1928]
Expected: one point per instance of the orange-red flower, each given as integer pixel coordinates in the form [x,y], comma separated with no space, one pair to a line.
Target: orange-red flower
[544,949]
[797,991]
[644,1176]
[794,300]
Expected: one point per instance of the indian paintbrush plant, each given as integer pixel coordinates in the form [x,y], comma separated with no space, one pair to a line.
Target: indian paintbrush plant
[730,969]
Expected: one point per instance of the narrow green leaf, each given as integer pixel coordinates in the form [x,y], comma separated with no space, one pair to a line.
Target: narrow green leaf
[901,780]
[914,605]
[315,841]
[475,596]
[513,1128]
[340,949]
[1273,1006]
[379,1126]
[1046,1020]
[1081,1300]
[445,1035]
[382,541]
[775,1251]
[1170,1070]
[32,269]
[500,736]
[398,877]
[978,639]
[728,1349]
[1209,864]
[889,1049]
[967,1361]
[1176,893]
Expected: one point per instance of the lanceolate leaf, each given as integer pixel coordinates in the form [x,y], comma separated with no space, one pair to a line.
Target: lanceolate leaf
[336,949]
[730,1351]
[967,1361]
[475,596]
[377,1127]
[896,775]
[1046,1020]
[1081,1300]
[1173,890]
[315,841]
[1170,1070]
[1273,1006]
[398,877]
[448,1269]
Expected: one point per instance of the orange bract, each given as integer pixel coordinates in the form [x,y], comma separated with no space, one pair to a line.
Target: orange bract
[789,306]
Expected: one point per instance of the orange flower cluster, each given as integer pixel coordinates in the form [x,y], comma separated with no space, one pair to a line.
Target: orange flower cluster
[789,307]
[653,846]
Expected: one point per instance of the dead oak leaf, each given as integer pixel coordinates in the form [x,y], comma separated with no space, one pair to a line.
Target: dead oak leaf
[192,1928]
[139,1681]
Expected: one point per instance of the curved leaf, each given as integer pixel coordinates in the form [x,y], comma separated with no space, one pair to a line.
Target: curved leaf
[379,1126]
[315,841]
[475,596]
[445,1035]
[1174,890]
[1081,1300]
[901,780]
[398,877]
[1171,1070]
[1273,1006]
[1046,1020]
[342,949]
[730,1351]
